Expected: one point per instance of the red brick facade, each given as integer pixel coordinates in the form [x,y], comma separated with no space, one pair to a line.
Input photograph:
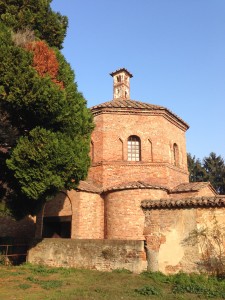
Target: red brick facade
[158,132]
[137,187]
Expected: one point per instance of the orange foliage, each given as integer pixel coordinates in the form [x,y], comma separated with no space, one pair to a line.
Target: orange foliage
[45,61]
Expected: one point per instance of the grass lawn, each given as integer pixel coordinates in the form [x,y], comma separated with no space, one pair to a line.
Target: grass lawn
[37,282]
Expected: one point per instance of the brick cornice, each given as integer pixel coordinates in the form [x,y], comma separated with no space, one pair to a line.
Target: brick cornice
[140,164]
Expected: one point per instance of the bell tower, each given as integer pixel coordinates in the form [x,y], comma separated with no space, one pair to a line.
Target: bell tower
[121,84]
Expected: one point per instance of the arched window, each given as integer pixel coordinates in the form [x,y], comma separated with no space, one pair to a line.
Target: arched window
[134,148]
[175,154]
[118,78]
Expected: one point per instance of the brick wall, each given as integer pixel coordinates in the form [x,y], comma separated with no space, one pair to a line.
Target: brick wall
[60,206]
[86,209]
[124,218]
[111,174]
[88,216]
[157,135]
[90,254]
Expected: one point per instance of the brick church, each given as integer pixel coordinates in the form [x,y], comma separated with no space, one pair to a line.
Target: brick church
[138,185]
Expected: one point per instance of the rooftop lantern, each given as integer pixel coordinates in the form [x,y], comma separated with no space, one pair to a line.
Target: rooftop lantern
[121,84]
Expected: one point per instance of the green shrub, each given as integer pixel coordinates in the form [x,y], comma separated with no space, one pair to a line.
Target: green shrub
[198,284]
[148,290]
[24,286]
[157,276]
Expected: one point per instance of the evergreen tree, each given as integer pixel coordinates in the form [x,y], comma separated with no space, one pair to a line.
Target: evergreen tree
[211,169]
[36,15]
[196,171]
[215,171]
[46,126]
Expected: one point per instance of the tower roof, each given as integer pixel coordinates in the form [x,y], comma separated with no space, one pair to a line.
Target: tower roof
[121,70]
[118,103]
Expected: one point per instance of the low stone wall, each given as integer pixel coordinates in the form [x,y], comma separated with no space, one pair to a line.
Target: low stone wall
[170,248]
[103,255]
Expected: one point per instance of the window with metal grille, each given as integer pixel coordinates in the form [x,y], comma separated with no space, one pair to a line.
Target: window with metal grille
[134,148]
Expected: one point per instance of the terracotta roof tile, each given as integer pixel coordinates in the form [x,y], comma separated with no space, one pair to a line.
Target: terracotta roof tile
[190,187]
[134,185]
[89,187]
[120,103]
[188,202]
[119,70]
[127,105]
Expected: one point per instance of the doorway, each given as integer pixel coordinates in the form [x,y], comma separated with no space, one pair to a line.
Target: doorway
[57,227]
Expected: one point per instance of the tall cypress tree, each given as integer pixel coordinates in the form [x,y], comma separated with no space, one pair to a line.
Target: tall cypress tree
[46,126]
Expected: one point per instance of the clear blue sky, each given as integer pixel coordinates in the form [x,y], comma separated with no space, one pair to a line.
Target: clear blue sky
[175,50]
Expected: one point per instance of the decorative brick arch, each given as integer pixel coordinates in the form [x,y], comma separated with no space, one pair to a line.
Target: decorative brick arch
[60,212]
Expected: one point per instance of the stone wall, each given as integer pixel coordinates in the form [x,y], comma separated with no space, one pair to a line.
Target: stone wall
[101,255]
[166,232]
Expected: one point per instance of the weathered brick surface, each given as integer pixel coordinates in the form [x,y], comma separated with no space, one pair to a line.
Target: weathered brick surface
[88,216]
[60,206]
[90,254]
[124,217]
[206,192]
[166,231]
[110,174]
[86,209]
[157,135]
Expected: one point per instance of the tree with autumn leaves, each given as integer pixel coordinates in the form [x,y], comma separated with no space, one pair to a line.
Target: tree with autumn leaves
[45,124]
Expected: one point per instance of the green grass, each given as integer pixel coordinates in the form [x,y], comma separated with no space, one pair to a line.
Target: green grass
[29,282]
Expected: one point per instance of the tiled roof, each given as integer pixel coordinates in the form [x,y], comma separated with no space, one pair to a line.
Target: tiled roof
[120,103]
[188,202]
[127,105]
[89,187]
[92,188]
[120,70]
[190,187]
[134,185]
